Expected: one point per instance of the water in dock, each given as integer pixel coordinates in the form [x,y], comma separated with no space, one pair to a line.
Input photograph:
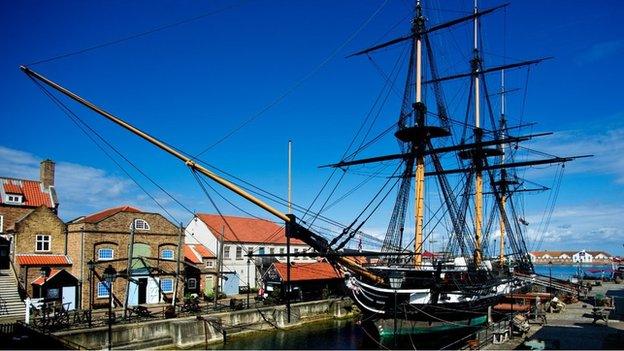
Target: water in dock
[328,335]
[566,272]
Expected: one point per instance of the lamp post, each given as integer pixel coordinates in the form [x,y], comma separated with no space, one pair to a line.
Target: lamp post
[45,273]
[109,275]
[91,266]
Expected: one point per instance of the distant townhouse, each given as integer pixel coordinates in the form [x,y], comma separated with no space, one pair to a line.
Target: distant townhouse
[241,235]
[600,256]
[200,271]
[562,257]
[104,238]
[37,236]
[582,257]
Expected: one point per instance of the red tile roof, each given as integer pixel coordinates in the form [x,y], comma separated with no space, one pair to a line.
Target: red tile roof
[54,273]
[195,253]
[43,260]
[308,271]
[102,215]
[40,280]
[33,192]
[204,251]
[246,230]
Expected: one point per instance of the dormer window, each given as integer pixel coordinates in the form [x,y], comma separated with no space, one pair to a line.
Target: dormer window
[141,224]
[14,199]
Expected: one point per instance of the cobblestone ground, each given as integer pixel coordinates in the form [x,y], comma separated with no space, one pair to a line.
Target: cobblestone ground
[573,329]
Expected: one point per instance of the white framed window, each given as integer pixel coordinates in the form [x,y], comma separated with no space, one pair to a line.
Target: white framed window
[1,223]
[42,242]
[13,199]
[102,289]
[209,263]
[166,285]
[141,224]
[226,252]
[281,251]
[239,253]
[191,283]
[105,254]
[272,250]
[166,254]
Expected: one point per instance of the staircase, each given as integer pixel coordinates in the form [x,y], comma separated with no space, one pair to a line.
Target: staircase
[11,305]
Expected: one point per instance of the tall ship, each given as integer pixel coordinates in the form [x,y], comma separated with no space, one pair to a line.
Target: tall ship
[452,175]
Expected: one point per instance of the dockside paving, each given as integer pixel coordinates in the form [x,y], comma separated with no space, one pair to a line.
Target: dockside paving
[574,328]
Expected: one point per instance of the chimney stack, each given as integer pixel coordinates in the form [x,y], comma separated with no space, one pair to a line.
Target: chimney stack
[46,173]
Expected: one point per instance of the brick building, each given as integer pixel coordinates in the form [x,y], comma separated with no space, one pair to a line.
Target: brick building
[19,197]
[37,236]
[200,271]
[104,237]
[39,240]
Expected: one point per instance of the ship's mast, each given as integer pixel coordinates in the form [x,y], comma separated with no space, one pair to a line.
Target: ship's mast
[503,198]
[478,133]
[419,110]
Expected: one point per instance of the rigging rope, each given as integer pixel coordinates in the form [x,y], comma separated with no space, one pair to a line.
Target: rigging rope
[297,84]
[138,35]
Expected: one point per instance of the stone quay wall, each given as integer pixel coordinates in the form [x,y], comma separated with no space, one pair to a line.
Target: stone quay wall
[191,331]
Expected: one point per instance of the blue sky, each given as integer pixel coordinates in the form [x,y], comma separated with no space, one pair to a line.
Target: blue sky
[192,84]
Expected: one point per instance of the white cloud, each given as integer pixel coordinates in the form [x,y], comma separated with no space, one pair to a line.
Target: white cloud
[606,143]
[586,226]
[81,189]
[599,51]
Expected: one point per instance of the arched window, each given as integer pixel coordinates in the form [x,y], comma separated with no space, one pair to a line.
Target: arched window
[141,224]
[105,254]
[166,254]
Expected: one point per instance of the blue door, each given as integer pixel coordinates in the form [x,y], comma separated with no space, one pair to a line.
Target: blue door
[230,283]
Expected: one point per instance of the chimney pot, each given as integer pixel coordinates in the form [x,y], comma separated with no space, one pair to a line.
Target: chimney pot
[46,173]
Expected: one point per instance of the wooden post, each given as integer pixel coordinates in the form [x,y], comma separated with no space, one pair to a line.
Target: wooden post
[219,266]
[129,267]
[176,281]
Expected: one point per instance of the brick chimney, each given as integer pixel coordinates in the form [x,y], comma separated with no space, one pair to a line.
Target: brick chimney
[46,173]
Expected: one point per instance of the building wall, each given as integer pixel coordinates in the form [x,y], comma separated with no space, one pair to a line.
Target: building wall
[11,214]
[40,221]
[114,232]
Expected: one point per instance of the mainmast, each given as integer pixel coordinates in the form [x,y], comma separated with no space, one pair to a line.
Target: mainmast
[478,133]
[503,125]
[419,109]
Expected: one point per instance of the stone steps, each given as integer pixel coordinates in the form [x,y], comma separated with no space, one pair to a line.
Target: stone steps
[11,305]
